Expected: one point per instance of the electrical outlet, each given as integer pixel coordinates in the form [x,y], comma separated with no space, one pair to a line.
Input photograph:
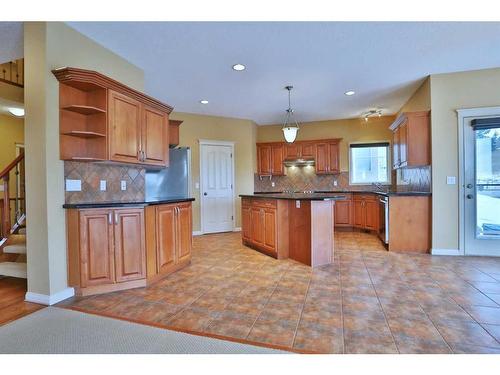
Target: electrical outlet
[297,204]
[123,185]
[273,184]
[102,185]
[73,185]
[197,185]
[335,183]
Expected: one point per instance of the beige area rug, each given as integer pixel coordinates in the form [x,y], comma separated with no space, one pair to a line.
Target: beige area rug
[55,330]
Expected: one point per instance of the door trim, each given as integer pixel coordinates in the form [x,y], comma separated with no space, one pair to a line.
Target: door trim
[210,142]
[462,115]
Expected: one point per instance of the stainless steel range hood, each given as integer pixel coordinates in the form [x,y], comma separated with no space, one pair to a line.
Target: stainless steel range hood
[300,162]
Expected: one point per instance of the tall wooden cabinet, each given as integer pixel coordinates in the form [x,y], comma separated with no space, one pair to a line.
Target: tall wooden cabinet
[411,145]
[106,249]
[327,157]
[168,238]
[104,120]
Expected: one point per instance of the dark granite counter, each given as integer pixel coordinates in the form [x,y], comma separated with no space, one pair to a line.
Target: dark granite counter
[323,195]
[150,202]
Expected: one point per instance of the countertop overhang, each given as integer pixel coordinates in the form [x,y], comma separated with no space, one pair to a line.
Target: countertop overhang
[145,203]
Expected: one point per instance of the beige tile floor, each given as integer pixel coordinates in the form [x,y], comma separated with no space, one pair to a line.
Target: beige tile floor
[368,301]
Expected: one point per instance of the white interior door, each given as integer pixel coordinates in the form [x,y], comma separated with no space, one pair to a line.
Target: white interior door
[217,188]
[482,186]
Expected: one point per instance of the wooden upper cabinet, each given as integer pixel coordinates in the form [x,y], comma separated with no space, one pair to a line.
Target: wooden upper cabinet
[411,141]
[264,159]
[124,128]
[277,156]
[327,157]
[174,132]
[96,248]
[184,231]
[166,237]
[101,119]
[292,150]
[130,245]
[307,150]
[321,158]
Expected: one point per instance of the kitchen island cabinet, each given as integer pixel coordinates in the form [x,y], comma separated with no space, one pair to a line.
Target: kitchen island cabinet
[299,229]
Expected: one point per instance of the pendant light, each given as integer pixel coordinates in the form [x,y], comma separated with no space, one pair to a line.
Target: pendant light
[290,126]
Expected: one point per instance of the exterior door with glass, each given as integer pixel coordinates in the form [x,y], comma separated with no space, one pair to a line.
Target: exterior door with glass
[482,186]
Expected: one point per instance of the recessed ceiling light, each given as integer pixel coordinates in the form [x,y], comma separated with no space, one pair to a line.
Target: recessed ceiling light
[204,101]
[239,67]
[349,93]
[19,112]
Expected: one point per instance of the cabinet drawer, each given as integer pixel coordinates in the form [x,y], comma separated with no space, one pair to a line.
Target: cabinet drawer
[365,197]
[264,203]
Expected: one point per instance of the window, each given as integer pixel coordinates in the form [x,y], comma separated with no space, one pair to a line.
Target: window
[369,163]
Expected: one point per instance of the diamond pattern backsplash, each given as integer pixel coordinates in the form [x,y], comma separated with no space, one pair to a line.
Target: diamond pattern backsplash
[91,173]
[305,179]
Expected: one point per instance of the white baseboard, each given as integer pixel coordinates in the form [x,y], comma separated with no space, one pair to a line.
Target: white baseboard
[237,229]
[197,232]
[49,300]
[453,252]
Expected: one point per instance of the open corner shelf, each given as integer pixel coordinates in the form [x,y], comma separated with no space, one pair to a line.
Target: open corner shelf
[83,109]
[85,134]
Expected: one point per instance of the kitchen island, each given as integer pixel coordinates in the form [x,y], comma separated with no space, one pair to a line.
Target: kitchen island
[295,226]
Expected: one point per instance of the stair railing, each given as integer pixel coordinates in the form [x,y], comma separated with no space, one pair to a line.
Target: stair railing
[6,219]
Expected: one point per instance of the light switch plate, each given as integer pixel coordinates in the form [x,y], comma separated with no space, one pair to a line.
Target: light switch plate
[73,185]
[297,204]
[123,185]
[451,180]
[102,185]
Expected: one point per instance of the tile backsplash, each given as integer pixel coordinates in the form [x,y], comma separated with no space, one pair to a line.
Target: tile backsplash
[305,178]
[91,174]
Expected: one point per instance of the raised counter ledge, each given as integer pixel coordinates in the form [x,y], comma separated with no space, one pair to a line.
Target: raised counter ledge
[150,202]
[333,194]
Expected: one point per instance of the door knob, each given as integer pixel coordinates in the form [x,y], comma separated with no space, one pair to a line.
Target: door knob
[470,196]
[205,193]
[469,186]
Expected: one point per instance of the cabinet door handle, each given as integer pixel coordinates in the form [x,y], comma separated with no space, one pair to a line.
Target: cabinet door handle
[116,218]
[143,155]
[139,155]
[110,218]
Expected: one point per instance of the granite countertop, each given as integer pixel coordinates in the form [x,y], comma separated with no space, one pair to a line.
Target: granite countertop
[322,195]
[149,202]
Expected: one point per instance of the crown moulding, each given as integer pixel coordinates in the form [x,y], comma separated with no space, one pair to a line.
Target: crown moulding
[90,80]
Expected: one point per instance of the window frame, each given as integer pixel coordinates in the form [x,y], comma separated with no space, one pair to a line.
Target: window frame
[389,158]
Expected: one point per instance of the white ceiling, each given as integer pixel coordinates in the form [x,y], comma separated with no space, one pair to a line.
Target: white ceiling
[383,62]
[11,41]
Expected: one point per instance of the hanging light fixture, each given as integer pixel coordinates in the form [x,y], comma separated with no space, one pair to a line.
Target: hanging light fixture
[372,113]
[290,125]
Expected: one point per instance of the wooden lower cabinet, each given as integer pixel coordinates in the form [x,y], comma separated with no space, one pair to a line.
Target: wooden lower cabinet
[169,237]
[365,211]
[106,249]
[265,227]
[344,212]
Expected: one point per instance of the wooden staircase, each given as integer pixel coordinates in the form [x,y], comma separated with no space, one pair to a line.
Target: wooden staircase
[12,210]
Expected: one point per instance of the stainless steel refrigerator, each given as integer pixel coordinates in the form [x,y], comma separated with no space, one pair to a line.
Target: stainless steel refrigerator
[171,182]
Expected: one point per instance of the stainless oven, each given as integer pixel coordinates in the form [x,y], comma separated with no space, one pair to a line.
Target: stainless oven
[383,231]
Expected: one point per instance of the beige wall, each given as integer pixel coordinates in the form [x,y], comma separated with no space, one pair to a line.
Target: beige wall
[11,92]
[241,132]
[450,92]
[48,46]
[350,130]
[420,100]
[11,132]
